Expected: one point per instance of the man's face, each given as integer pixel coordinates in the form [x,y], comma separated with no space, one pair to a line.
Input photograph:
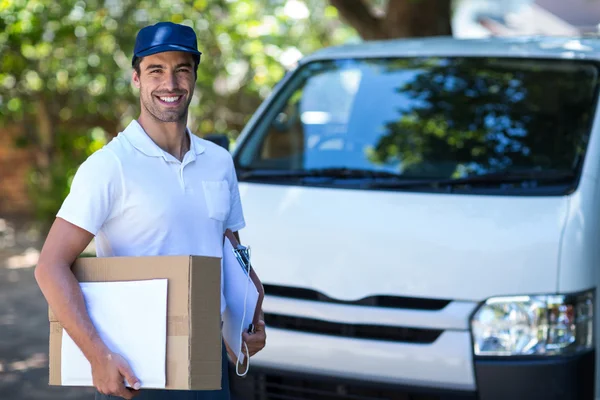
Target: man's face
[166,82]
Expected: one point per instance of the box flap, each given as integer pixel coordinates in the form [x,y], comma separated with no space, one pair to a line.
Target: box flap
[54,377]
[205,334]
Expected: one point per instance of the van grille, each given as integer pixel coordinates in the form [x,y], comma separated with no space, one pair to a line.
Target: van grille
[274,386]
[372,301]
[375,332]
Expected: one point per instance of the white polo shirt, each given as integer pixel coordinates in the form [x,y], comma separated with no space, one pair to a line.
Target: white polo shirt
[139,200]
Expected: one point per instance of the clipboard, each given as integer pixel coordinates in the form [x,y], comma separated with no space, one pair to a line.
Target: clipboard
[244,294]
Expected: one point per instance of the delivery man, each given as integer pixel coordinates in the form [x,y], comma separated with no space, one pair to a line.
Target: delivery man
[155,189]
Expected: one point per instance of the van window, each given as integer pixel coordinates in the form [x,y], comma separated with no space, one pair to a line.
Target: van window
[429,119]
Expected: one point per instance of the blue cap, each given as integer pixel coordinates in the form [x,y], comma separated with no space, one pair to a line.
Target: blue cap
[165,36]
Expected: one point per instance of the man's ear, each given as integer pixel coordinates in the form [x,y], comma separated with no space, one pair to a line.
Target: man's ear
[136,79]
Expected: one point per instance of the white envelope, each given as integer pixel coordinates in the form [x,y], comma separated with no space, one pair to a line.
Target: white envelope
[131,318]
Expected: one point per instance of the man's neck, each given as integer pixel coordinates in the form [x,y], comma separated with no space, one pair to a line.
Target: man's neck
[170,136]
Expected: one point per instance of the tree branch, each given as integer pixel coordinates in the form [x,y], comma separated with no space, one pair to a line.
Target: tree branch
[357,14]
[411,18]
[402,18]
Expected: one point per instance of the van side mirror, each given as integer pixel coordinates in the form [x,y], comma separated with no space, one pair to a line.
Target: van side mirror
[219,139]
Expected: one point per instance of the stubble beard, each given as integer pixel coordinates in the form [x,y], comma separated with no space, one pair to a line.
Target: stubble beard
[178,115]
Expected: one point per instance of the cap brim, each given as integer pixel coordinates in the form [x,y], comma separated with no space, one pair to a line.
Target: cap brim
[167,47]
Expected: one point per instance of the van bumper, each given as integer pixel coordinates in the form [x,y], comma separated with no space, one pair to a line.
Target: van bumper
[555,378]
[548,378]
[274,384]
[446,363]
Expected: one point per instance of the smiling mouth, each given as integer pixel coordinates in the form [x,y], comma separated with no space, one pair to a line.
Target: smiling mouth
[170,100]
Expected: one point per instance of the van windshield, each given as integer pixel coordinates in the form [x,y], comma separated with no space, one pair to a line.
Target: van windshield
[427,120]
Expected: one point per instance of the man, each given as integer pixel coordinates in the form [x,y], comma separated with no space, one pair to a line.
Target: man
[156,189]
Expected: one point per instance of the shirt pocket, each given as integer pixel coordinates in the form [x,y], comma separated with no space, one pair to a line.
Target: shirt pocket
[218,199]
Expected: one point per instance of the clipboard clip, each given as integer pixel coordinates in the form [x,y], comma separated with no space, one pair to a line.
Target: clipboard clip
[242,253]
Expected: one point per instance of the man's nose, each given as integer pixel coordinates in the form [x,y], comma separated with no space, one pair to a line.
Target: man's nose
[170,81]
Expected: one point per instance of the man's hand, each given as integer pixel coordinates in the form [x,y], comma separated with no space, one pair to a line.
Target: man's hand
[108,375]
[257,340]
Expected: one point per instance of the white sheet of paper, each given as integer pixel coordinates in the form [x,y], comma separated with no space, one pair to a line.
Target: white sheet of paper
[241,296]
[131,318]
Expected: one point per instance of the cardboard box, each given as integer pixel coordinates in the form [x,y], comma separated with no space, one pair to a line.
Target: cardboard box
[193,355]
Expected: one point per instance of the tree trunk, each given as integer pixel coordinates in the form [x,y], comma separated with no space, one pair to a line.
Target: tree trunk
[402,18]
[45,137]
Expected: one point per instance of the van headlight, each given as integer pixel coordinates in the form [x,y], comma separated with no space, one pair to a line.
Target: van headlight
[534,325]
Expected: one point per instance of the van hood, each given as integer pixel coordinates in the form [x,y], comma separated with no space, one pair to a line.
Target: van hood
[350,244]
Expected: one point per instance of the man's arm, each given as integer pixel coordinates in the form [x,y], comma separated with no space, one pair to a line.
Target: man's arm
[64,243]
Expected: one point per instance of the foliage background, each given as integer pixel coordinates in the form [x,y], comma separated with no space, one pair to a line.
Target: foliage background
[65,70]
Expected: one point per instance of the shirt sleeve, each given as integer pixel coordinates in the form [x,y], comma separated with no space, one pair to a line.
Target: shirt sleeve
[96,192]
[236,220]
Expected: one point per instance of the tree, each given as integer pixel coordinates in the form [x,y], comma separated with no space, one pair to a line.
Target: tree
[398,18]
[65,70]
[479,115]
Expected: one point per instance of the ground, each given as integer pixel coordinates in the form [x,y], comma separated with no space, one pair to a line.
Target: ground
[24,323]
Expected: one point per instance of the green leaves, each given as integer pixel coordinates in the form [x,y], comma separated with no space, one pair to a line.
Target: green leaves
[75,58]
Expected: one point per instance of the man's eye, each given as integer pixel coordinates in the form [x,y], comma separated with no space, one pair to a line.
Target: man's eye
[155,71]
[183,70]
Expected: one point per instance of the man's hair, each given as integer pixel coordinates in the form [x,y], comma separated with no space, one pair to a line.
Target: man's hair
[138,61]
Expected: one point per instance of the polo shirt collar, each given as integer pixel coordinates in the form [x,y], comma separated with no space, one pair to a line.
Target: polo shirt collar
[195,146]
[139,139]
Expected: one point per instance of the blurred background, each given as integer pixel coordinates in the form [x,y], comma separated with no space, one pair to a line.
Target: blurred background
[65,91]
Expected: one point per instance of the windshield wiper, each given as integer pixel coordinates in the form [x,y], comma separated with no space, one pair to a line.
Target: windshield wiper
[383,179]
[337,173]
[549,176]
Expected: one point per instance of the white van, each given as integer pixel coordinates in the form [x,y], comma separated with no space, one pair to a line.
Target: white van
[425,217]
